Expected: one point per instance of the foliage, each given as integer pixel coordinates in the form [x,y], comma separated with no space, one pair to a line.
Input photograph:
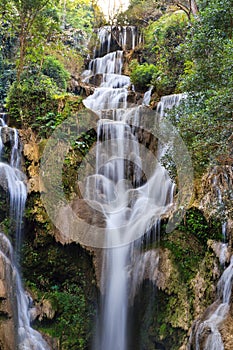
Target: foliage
[32,96]
[37,24]
[141,12]
[196,224]
[186,251]
[78,14]
[204,122]
[32,22]
[209,46]
[56,71]
[205,118]
[45,124]
[77,20]
[7,77]
[67,55]
[141,75]
[70,325]
[162,43]
[62,275]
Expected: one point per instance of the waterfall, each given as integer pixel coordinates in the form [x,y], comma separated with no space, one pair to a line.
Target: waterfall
[12,179]
[147,97]
[220,204]
[131,202]
[112,92]
[120,37]
[209,328]
[211,324]
[110,63]
[168,102]
[27,338]
[13,182]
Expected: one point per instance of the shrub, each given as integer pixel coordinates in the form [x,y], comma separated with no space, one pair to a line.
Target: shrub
[32,96]
[141,76]
[56,71]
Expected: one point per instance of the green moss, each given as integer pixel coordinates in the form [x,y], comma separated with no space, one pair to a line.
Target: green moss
[70,325]
[73,161]
[195,223]
[187,252]
[64,275]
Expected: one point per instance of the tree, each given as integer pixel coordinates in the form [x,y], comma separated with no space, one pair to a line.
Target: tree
[205,117]
[27,19]
[144,11]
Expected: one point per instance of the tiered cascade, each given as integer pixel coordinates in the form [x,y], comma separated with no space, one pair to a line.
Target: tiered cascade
[132,202]
[13,182]
[112,38]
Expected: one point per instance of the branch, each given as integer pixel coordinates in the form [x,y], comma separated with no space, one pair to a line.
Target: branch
[184,8]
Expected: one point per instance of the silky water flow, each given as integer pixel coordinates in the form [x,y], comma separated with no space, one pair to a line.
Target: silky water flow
[132,204]
[13,182]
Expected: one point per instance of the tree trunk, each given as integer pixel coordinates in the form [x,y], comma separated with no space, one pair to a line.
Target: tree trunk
[193,7]
[22,49]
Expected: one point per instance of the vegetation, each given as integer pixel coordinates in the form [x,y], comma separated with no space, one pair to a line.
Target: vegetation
[30,97]
[205,118]
[141,75]
[56,71]
[63,276]
[42,37]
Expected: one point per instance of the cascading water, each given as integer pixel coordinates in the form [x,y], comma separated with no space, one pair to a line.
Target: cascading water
[130,202]
[12,179]
[147,97]
[110,37]
[207,332]
[13,183]
[211,324]
[168,102]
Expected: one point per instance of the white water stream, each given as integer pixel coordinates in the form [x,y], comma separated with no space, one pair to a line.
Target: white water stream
[13,181]
[130,202]
[212,323]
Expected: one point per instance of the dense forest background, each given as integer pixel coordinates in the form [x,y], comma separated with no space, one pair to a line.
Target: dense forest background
[187,48]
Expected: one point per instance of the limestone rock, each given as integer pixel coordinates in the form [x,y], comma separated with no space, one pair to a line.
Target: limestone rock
[31,153]
[43,309]
[226,331]
[216,192]
[80,223]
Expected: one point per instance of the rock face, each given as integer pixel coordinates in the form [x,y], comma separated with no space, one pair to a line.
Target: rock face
[226,331]
[31,153]
[216,202]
